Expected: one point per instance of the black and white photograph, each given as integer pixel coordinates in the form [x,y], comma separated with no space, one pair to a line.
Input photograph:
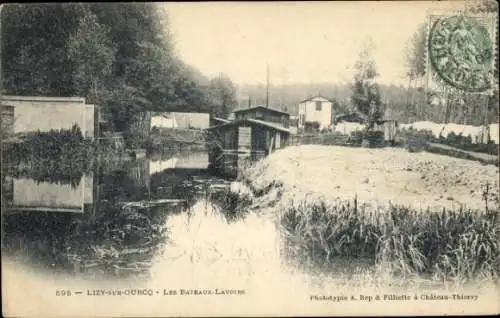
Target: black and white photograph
[214,159]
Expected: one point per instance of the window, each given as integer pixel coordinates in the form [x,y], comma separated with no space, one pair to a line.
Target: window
[318,105]
[259,115]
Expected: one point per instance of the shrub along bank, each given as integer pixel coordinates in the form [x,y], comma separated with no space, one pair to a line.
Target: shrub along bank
[58,154]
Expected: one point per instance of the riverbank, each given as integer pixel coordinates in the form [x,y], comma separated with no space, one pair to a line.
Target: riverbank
[417,217]
[376,176]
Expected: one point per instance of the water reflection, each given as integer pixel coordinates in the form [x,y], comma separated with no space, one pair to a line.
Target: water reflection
[108,223]
[31,195]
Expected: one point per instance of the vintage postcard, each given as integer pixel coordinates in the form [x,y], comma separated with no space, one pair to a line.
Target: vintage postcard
[250,159]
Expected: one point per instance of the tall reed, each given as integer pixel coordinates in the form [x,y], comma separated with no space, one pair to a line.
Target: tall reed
[459,245]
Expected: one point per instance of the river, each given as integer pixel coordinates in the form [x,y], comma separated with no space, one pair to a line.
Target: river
[162,224]
[107,223]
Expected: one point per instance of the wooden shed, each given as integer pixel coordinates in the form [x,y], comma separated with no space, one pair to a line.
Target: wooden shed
[233,145]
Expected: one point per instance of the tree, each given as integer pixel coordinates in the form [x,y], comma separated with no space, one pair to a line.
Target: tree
[93,54]
[415,54]
[415,57]
[365,91]
[222,94]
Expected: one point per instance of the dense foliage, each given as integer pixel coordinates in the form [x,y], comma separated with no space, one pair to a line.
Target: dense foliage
[51,148]
[118,56]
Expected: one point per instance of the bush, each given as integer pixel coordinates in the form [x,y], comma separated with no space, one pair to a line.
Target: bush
[334,138]
[375,138]
[356,137]
[56,155]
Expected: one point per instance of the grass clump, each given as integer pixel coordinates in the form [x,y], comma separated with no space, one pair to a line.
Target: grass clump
[459,246]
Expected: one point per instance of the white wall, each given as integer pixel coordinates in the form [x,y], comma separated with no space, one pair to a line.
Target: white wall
[193,120]
[181,120]
[32,113]
[162,122]
[161,165]
[323,117]
[348,127]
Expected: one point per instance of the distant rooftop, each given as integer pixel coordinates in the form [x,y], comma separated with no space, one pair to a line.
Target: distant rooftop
[260,107]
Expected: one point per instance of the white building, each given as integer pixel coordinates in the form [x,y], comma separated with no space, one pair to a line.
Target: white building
[165,120]
[32,113]
[315,110]
[181,120]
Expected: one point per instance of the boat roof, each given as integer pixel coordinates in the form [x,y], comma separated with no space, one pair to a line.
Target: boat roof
[253,121]
[260,107]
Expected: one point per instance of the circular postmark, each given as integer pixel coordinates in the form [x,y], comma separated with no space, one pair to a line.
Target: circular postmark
[460,51]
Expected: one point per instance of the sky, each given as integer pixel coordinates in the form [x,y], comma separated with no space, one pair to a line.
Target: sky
[303,42]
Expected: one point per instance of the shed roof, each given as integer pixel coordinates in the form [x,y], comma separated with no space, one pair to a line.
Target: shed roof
[261,107]
[221,119]
[253,121]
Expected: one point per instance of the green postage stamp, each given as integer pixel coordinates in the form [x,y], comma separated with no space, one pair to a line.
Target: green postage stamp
[461,52]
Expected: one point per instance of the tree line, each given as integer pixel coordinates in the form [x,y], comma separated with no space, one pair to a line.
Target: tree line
[118,56]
